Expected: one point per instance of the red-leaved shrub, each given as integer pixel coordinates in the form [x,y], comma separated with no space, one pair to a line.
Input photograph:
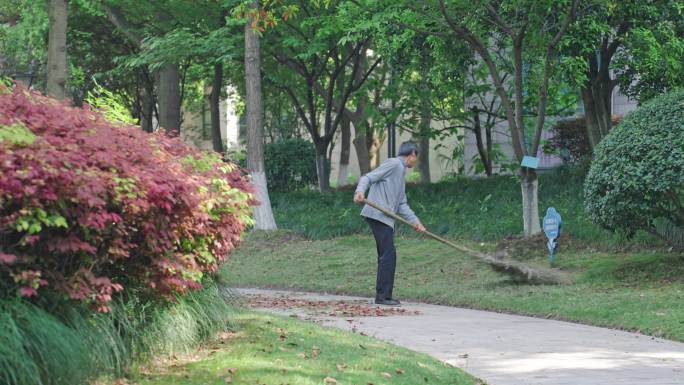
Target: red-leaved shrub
[89,207]
[569,138]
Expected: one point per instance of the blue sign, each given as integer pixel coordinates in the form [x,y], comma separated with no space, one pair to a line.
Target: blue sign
[552,229]
[530,162]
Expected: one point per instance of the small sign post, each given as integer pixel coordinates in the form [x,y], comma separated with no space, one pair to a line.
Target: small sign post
[552,229]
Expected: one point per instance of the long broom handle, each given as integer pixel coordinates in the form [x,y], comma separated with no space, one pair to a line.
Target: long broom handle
[429,234]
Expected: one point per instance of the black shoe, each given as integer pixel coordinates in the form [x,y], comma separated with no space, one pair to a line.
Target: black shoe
[388,301]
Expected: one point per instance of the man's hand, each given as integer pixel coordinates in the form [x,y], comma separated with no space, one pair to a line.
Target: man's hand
[419,227]
[359,197]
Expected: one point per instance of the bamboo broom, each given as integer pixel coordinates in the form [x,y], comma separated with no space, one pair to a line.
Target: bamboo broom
[500,261]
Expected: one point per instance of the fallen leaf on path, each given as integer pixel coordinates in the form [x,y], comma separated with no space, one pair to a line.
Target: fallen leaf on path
[347,308]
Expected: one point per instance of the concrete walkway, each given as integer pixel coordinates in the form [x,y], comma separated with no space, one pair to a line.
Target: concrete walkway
[514,350]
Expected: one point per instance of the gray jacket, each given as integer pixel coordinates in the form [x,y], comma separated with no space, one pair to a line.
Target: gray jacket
[388,189]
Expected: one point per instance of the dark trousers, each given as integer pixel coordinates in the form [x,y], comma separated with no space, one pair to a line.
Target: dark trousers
[387,258]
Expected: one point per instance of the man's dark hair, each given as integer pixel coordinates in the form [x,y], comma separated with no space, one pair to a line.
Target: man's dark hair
[406,148]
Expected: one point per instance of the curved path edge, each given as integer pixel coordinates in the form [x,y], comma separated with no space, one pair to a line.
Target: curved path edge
[504,349]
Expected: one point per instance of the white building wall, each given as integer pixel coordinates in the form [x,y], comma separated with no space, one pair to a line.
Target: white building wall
[439,167]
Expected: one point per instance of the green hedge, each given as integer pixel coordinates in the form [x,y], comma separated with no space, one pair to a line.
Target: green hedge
[637,177]
[290,164]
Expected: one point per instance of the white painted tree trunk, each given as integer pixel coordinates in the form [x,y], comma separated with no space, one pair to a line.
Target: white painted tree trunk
[57,55]
[529,186]
[263,215]
[343,175]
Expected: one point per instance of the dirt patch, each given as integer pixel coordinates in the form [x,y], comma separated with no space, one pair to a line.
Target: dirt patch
[534,247]
[351,308]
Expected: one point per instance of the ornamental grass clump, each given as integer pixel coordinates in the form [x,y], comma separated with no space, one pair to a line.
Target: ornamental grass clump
[89,208]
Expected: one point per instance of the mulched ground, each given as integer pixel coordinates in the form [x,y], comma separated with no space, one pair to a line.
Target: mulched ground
[351,308]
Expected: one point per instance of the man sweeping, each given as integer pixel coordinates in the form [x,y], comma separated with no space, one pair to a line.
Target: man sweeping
[388,189]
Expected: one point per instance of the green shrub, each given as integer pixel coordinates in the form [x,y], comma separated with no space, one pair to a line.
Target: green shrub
[637,176]
[290,164]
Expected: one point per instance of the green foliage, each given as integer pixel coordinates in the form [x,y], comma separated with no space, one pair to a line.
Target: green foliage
[654,59]
[290,164]
[17,135]
[23,33]
[637,175]
[112,106]
[69,346]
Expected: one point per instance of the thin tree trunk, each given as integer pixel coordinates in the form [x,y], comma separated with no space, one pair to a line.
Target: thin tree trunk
[169,97]
[425,120]
[530,186]
[263,214]
[146,121]
[361,146]
[344,152]
[593,131]
[215,97]
[57,55]
[322,167]
[490,150]
[481,150]
[424,159]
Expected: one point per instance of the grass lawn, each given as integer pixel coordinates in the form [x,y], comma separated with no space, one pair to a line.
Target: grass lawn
[273,350]
[641,291]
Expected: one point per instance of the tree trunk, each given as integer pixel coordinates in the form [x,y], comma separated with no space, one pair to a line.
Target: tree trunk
[424,160]
[529,185]
[374,151]
[483,150]
[169,98]
[361,146]
[263,215]
[215,97]
[57,55]
[344,153]
[425,120]
[489,169]
[322,167]
[597,95]
[147,101]
[424,139]
[590,118]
